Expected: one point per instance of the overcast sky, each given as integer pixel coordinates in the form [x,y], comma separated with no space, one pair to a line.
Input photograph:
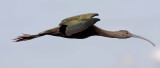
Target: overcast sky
[141,17]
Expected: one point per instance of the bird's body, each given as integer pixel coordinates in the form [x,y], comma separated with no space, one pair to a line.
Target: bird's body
[80,27]
[84,34]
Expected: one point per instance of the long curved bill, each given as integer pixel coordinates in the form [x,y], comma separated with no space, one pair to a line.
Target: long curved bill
[140,37]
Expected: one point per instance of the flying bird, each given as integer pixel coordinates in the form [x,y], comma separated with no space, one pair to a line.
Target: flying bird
[81,27]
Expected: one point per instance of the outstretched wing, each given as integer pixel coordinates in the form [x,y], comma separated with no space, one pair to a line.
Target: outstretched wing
[68,21]
[80,26]
[78,23]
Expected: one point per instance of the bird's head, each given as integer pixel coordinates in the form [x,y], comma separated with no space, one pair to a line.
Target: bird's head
[124,34]
[127,34]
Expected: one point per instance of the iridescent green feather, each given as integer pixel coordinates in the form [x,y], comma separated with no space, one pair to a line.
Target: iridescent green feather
[68,21]
[84,24]
[79,23]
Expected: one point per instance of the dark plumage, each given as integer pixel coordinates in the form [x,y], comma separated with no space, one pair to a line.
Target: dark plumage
[84,34]
[80,27]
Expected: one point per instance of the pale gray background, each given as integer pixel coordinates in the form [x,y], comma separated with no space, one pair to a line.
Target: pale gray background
[140,17]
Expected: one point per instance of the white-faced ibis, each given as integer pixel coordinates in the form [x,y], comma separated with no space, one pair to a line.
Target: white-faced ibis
[80,27]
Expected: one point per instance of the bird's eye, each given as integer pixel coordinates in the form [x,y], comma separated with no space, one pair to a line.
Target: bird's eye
[127,32]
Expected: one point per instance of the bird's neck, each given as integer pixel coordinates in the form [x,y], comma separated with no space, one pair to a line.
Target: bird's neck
[106,33]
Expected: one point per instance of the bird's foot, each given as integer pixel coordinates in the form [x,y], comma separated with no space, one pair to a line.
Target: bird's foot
[24,37]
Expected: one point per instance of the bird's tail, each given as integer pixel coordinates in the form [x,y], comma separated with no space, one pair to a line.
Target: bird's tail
[26,37]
